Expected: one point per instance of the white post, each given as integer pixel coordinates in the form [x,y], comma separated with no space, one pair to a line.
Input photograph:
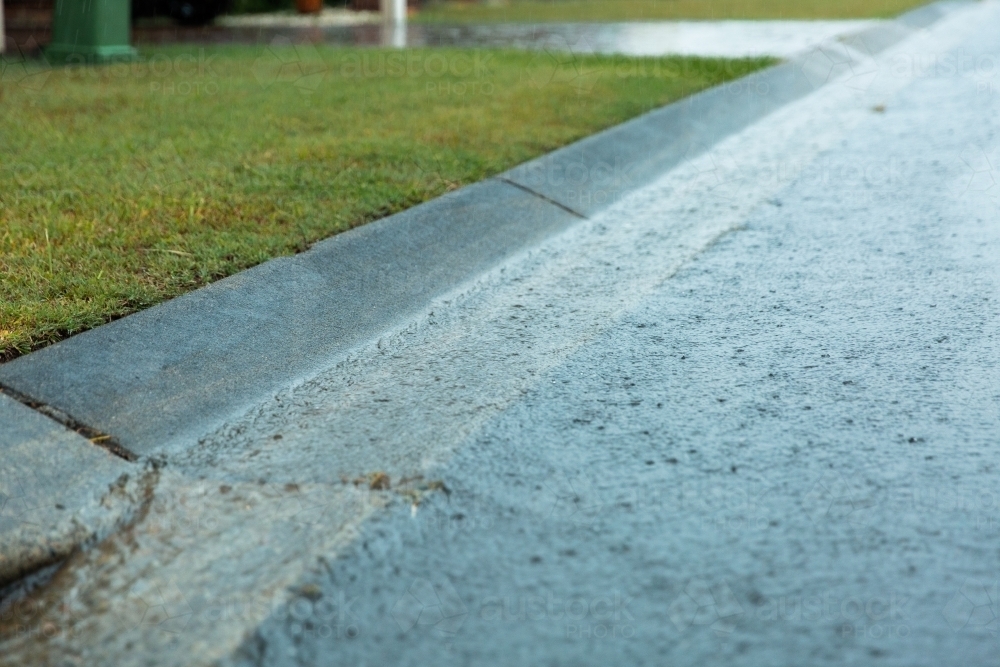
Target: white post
[394,23]
[394,11]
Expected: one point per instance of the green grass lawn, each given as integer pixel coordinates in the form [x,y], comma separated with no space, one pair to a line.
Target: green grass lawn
[125,185]
[452,11]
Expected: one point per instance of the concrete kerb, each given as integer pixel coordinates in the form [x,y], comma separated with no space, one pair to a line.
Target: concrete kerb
[159,380]
[162,378]
[594,173]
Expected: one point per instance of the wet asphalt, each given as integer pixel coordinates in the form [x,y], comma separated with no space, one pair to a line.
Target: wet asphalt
[777,447]
[747,415]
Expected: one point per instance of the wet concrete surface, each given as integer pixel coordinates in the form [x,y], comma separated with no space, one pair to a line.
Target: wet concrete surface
[733,39]
[748,415]
[785,453]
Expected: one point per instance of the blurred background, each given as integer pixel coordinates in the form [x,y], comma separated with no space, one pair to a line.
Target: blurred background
[28,23]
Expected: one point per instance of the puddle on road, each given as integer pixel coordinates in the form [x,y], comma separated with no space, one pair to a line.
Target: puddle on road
[731,39]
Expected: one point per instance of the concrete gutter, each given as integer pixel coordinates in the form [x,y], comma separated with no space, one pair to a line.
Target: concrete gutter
[158,381]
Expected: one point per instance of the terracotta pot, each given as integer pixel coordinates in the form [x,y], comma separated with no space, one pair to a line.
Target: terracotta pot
[309,6]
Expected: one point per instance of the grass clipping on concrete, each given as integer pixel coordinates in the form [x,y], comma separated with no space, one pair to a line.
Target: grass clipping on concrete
[526,11]
[125,185]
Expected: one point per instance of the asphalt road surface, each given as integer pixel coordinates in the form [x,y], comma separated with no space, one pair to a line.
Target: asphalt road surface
[750,415]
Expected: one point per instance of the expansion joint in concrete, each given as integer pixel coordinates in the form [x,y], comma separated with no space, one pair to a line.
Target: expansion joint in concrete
[534,193]
[95,436]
